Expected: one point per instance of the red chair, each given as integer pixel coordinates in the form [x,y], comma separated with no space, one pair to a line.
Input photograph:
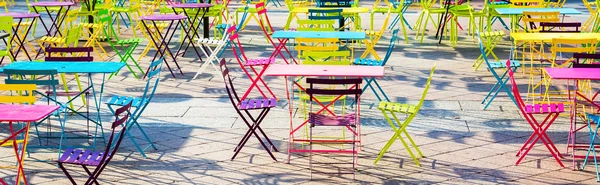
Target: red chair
[268,31]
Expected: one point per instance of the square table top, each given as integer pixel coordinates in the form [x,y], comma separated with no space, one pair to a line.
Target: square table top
[352,35]
[25,113]
[518,11]
[573,73]
[547,37]
[324,70]
[68,67]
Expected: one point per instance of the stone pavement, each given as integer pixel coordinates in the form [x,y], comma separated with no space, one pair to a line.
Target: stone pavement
[195,128]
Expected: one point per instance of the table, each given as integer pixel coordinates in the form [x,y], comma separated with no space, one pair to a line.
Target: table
[319,71]
[21,39]
[515,12]
[285,36]
[304,10]
[165,39]
[22,113]
[75,67]
[547,37]
[191,31]
[56,20]
[575,74]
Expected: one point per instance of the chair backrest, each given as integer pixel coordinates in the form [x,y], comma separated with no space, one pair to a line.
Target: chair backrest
[325,14]
[20,93]
[571,45]
[6,23]
[485,59]
[233,96]
[59,54]
[515,89]
[427,85]
[322,52]
[236,45]
[153,79]
[264,18]
[353,83]
[123,113]
[390,49]
[531,19]
[333,3]
[315,25]
[588,60]
[19,76]
[565,27]
[527,4]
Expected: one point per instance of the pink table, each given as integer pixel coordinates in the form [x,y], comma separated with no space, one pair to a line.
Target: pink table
[22,113]
[575,75]
[315,70]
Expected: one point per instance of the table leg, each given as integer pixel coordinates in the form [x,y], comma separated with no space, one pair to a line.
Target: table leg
[193,30]
[97,102]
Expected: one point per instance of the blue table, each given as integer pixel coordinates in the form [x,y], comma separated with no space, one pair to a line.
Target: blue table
[285,36]
[75,67]
[514,13]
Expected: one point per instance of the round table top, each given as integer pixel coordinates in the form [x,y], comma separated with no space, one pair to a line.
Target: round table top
[20,15]
[191,5]
[51,3]
[167,17]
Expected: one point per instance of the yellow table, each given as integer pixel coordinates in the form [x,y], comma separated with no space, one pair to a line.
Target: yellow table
[346,11]
[547,37]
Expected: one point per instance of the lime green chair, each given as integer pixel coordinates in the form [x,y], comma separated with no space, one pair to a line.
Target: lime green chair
[6,23]
[425,16]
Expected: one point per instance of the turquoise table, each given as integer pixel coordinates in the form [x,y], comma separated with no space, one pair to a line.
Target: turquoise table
[75,67]
[285,36]
[514,13]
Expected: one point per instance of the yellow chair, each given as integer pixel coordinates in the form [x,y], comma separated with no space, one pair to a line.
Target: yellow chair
[591,22]
[528,4]
[374,37]
[425,15]
[70,34]
[531,20]
[398,10]
[252,13]
[292,14]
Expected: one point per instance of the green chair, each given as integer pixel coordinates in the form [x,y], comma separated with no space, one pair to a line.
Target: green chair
[6,29]
[127,46]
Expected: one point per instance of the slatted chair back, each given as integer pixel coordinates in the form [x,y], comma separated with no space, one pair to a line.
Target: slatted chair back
[315,25]
[515,90]
[527,4]
[19,93]
[20,76]
[77,54]
[333,3]
[390,49]
[427,85]
[325,14]
[322,52]
[6,27]
[586,60]
[153,79]
[562,46]
[263,19]
[231,92]
[564,27]
[236,45]
[531,20]
[332,87]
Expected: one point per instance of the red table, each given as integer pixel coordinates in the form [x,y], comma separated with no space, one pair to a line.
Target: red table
[22,113]
[575,75]
[315,70]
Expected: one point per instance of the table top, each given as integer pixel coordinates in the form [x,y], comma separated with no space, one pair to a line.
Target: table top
[547,37]
[25,113]
[20,15]
[345,10]
[573,73]
[68,67]
[51,3]
[324,70]
[353,35]
[518,11]
[166,17]
[191,5]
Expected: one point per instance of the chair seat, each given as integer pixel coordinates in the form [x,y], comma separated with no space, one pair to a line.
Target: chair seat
[397,107]
[322,98]
[24,23]
[559,62]
[124,100]
[211,41]
[122,9]
[367,62]
[10,143]
[500,64]
[78,156]
[348,119]
[92,25]
[544,108]
[53,40]
[130,41]
[223,26]
[260,61]
[4,53]
[492,33]
[258,104]
[64,93]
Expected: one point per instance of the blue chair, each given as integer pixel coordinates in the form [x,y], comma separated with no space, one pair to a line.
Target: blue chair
[501,80]
[139,104]
[593,134]
[405,5]
[327,14]
[374,62]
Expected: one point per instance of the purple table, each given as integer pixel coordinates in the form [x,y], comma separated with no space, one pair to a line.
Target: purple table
[20,41]
[192,30]
[164,39]
[56,20]
[22,113]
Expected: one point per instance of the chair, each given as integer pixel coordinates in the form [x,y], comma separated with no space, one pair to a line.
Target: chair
[333,3]
[398,8]
[591,22]
[528,4]
[551,111]
[328,14]
[592,120]
[99,159]
[6,28]
[399,128]
[262,105]
[530,19]
[139,104]
[501,80]
[127,47]
[291,4]
[132,10]
[265,25]
[425,15]
[72,33]
[561,46]
[564,27]
[374,37]
[244,63]
[252,13]
[375,62]
[351,120]
[94,30]
[213,54]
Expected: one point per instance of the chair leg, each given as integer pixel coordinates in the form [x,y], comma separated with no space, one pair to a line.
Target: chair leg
[66,172]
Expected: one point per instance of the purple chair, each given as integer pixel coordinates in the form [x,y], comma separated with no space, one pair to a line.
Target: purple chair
[247,106]
[99,159]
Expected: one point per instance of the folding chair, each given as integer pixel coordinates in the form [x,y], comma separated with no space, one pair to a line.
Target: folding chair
[265,25]
[99,159]
[551,111]
[244,63]
[213,54]
[490,40]
[132,10]
[399,8]
[6,34]
[251,13]
[328,14]
[425,15]
[564,27]
[349,120]
[376,62]
[70,38]
[531,20]
[140,104]
[592,119]
[263,105]
[374,37]
[400,127]
[93,32]
[500,80]
[591,23]
[127,46]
